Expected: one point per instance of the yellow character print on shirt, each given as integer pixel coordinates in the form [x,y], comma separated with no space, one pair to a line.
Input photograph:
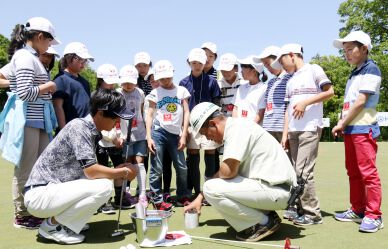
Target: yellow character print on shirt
[171,107]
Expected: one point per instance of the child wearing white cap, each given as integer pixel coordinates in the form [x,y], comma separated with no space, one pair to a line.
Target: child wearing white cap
[305,93]
[134,98]
[359,127]
[275,106]
[71,100]
[202,88]
[143,64]
[210,49]
[167,131]
[249,99]
[27,129]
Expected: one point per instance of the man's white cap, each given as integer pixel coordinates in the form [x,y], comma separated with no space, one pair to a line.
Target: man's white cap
[51,50]
[268,51]
[259,67]
[211,46]
[358,35]
[163,69]
[142,57]
[197,54]
[42,24]
[108,73]
[200,113]
[227,62]
[128,74]
[79,49]
[286,49]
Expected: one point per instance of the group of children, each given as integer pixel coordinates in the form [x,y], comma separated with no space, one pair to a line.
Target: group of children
[289,106]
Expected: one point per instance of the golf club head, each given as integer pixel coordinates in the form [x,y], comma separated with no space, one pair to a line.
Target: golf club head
[117,233]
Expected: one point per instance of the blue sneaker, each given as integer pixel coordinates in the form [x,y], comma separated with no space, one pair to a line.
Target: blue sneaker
[370,225]
[307,221]
[349,215]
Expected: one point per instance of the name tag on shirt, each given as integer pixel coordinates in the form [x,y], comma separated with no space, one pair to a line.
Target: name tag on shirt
[345,109]
[167,118]
[230,107]
[244,113]
[269,108]
[134,124]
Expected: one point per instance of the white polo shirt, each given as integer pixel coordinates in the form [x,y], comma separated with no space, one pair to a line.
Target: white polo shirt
[305,83]
[261,157]
[249,99]
[5,70]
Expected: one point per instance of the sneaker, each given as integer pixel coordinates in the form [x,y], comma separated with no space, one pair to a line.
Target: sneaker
[205,203]
[306,221]
[291,214]
[59,234]
[28,222]
[370,225]
[128,201]
[349,215]
[143,200]
[107,208]
[167,197]
[181,202]
[163,206]
[258,232]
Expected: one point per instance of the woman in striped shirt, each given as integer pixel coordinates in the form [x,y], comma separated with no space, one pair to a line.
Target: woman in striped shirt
[28,118]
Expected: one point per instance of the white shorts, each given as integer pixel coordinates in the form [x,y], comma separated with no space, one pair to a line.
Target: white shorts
[201,142]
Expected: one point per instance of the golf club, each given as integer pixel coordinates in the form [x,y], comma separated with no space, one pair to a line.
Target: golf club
[126,151]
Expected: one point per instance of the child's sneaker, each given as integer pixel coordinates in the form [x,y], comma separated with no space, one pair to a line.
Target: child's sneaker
[59,234]
[370,225]
[28,222]
[306,221]
[181,202]
[107,208]
[128,201]
[290,214]
[349,215]
[167,197]
[163,206]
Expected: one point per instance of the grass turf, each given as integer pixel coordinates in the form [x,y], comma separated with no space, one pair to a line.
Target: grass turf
[332,189]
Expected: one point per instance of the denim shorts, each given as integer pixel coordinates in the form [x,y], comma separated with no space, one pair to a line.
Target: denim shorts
[139,148]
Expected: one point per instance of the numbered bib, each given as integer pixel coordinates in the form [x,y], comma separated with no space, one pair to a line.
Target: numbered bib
[269,108]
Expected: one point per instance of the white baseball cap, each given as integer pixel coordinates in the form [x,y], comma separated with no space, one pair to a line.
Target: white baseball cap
[259,67]
[108,73]
[163,69]
[286,49]
[268,51]
[128,74]
[358,35]
[142,57]
[227,62]
[197,54]
[42,24]
[51,50]
[79,49]
[211,46]
[200,113]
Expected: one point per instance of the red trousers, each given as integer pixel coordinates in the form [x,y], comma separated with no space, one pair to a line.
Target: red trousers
[364,180]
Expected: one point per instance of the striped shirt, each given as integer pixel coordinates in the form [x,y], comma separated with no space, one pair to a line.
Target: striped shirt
[365,79]
[144,85]
[212,73]
[228,91]
[26,74]
[275,104]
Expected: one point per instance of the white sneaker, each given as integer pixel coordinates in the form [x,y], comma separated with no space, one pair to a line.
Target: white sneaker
[58,234]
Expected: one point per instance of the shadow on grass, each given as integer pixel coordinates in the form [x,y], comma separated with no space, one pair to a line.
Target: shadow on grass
[100,232]
[325,214]
[215,223]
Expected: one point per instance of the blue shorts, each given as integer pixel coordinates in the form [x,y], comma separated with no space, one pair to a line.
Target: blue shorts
[138,148]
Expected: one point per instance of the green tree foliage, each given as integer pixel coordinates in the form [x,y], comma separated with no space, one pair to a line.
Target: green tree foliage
[372,18]
[4,43]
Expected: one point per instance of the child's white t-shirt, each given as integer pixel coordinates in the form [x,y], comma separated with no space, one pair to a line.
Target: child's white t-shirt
[305,83]
[249,99]
[169,107]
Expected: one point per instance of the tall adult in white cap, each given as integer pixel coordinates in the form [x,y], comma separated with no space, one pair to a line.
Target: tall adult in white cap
[211,56]
[358,125]
[71,100]
[275,106]
[306,91]
[255,176]
[67,185]
[28,117]
[249,99]
[202,88]
[229,83]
